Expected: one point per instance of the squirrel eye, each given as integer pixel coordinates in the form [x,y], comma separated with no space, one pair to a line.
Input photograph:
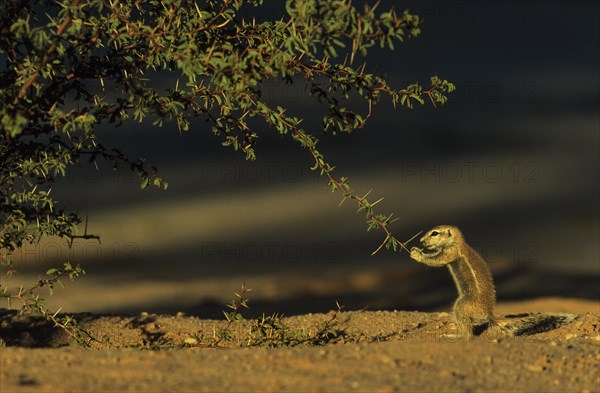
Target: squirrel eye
[435,233]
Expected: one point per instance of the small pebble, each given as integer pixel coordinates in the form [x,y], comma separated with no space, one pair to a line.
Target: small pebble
[534,368]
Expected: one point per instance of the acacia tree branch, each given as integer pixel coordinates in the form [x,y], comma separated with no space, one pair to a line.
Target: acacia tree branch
[61,29]
[374,220]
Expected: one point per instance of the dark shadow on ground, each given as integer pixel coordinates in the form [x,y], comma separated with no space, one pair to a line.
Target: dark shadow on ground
[432,290]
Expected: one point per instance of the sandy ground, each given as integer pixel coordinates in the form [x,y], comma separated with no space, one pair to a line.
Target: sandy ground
[558,350]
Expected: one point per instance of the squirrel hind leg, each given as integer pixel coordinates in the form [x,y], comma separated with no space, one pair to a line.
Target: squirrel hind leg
[471,317]
[468,329]
[463,313]
[464,329]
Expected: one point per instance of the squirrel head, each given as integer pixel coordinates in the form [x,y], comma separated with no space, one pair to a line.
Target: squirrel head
[442,236]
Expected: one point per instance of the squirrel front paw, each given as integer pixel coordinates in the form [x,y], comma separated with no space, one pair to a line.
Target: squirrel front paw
[416,253]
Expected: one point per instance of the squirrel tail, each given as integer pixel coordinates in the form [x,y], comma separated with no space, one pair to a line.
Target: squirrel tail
[528,324]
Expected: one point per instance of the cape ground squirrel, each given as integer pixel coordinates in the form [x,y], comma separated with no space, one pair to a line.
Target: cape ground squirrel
[445,246]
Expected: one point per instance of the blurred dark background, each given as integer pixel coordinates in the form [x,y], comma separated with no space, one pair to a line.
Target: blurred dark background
[512,159]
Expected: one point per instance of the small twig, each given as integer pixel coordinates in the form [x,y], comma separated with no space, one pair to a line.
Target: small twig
[387,238]
[413,238]
[85,235]
[428,92]
[410,240]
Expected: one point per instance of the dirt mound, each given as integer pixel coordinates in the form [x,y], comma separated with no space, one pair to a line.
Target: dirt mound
[340,351]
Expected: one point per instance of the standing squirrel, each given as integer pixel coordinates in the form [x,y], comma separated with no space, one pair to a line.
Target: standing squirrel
[445,246]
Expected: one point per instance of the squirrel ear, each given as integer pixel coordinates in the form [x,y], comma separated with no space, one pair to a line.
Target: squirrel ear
[449,233]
